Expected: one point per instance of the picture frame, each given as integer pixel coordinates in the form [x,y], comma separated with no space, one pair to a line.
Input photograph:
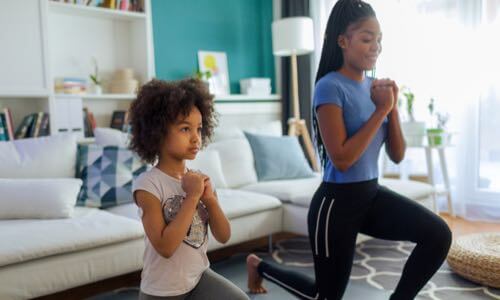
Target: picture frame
[216,63]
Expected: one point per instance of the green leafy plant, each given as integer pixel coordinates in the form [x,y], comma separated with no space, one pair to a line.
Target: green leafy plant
[95,76]
[203,75]
[410,98]
[441,118]
[436,134]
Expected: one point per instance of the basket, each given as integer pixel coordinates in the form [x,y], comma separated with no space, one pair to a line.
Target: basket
[477,257]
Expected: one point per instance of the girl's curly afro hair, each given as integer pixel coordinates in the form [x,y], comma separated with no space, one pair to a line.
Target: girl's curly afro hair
[158,105]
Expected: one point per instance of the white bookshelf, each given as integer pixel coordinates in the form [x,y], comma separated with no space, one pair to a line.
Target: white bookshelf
[116,39]
[46,40]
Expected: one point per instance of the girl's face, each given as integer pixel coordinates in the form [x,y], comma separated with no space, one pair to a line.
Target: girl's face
[361,44]
[183,139]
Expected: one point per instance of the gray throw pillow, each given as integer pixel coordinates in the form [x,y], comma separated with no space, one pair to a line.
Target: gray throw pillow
[278,157]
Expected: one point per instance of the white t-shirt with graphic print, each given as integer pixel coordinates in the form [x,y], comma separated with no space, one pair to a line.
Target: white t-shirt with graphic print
[181,272]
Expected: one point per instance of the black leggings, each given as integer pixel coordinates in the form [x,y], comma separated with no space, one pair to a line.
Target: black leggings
[336,215]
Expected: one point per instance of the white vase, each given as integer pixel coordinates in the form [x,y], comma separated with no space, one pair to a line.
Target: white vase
[97,89]
[414,133]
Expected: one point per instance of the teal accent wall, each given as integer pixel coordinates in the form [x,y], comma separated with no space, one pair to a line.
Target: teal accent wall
[241,28]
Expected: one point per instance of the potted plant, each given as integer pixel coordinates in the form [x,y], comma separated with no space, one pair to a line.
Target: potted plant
[205,77]
[414,131]
[96,82]
[435,135]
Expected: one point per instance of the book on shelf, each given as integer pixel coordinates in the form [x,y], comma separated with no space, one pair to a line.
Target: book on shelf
[89,123]
[22,129]
[45,125]
[9,124]
[3,128]
[93,122]
[31,128]
[37,124]
[119,120]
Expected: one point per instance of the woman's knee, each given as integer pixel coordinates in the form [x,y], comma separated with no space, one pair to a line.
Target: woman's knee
[439,234]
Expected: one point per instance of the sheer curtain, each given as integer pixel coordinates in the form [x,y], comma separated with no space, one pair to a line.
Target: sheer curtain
[446,50]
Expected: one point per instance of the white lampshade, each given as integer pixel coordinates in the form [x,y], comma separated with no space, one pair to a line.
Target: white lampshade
[293,35]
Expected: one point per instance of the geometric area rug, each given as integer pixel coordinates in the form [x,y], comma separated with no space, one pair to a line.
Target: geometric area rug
[379,263]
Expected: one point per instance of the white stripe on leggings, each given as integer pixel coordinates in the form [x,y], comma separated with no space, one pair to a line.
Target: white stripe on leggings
[327,226]
[317,225]
[288,287]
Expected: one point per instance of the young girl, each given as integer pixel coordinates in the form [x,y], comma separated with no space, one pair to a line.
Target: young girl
[353,117]
[170,122]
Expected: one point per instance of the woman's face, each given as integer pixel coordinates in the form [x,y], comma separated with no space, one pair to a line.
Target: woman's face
[361,44]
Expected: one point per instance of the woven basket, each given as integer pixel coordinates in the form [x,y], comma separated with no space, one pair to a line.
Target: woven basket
[477,258]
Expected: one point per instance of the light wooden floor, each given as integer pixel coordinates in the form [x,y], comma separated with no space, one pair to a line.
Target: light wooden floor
[461,226]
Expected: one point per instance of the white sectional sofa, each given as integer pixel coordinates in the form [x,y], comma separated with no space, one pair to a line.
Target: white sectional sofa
[41,257]
[296,194]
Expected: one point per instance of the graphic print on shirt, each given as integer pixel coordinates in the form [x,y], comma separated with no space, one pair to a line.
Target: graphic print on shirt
[197,232]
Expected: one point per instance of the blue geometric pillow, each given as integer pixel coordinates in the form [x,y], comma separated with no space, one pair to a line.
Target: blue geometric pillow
[107,173]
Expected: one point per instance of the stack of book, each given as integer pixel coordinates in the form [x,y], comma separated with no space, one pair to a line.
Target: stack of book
[70,85]
[256,86]
[33,125]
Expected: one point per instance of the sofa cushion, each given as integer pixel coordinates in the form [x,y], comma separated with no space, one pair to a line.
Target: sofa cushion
[409,188]
[272,128]
[208,162]
[52,274]
[107,174]
[278,157]
[89,228]
[296,191]
[237,161]
[301,191]
[111,137]
[224,134]
[237,203]
[129,210]
[42,198]
[234,204]
[43,157]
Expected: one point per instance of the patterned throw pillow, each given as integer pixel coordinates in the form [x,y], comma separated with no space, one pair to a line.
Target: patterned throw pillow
[107,173]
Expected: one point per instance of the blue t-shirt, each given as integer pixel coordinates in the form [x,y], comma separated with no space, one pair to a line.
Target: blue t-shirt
[357,107]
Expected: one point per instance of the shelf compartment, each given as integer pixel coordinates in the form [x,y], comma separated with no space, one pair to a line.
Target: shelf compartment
[95,12]
[113,97]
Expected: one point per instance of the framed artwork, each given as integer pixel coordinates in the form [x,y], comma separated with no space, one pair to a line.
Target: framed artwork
[216,64]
